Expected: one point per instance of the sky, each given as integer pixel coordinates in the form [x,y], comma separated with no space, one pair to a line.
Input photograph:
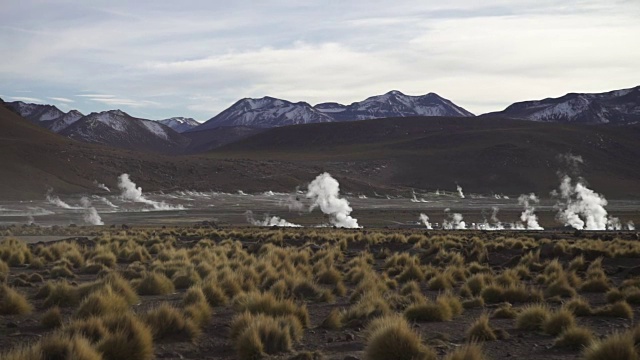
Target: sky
[157,59]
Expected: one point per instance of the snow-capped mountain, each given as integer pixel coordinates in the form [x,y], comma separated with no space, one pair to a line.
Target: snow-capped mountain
[65,121]
[266,112]
[393,104]
[615,107]
[36,113]
[117,128]
[270,112]
[180,124]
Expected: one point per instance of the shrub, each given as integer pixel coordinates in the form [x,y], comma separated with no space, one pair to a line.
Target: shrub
[257,334]
[333,321]
[214,294]
[166,320]
[574,338]
[505,311]
[620,309]
[60,293]
[154,283]
[57,346]
[266,303]
[102,302]
[616,346]
[451,301]
[597,285]
[329,276]
[429,311]
[558,322]
[475,302]
[52,318]
[532,317]
[467,352]
[480,330]
[12,302]
[560,287]
[441,281]
[127,338]
[391,337]
[185,278]
[91,328]
[579,307]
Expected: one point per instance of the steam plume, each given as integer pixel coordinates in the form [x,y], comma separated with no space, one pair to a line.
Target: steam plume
[454,221]
[459,188]
[268,221]
[292,203]
[91,215]
[581,207]
[133,193]
[324,193]
[101,186]
[55,200]
[425,220]
[528,216]
[631,226]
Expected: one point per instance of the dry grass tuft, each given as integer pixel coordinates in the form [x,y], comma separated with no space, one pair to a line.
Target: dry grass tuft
[12,302]
[166,321]
[52,318]
[266,303]
[620,309]
[532,317]
[391,337]
[128,338]
[480,330]
[575,338]
[333,321]
[102,302]
[616,346]
[154,283]
[467,352]
[558,322]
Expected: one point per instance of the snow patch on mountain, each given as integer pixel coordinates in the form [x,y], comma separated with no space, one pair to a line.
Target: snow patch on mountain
[155,128]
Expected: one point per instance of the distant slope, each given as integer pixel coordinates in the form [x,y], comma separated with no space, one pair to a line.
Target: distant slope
[119,129]
[33,160]
[483,155]
[617,107]
[393,104]
[207,140]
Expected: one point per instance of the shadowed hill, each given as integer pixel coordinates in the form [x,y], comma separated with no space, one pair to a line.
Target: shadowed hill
[483,155]
[33,159]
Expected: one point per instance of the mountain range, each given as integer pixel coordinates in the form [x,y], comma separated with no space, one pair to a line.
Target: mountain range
[385,156]
[179,135]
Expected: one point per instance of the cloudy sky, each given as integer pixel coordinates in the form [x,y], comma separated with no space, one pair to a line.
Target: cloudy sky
[158,59]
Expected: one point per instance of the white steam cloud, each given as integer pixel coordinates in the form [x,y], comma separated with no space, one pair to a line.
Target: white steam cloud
[324,193]
[460,193]
[55,200]
[425,220]
[631,226]
[454,221]
[131,192]
[268,221]
[581,207]
[91,215]
[101,186]
[528,216]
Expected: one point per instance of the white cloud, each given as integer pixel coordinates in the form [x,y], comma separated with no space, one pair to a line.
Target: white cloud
[61,99]
[26,99]
[165,57]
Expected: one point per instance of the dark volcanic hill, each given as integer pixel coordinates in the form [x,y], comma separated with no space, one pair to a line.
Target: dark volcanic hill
[483,155]
[33,160]
[119,129]
[614,107]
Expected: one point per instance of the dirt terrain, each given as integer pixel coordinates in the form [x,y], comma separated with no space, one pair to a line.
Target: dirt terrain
[354,276]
